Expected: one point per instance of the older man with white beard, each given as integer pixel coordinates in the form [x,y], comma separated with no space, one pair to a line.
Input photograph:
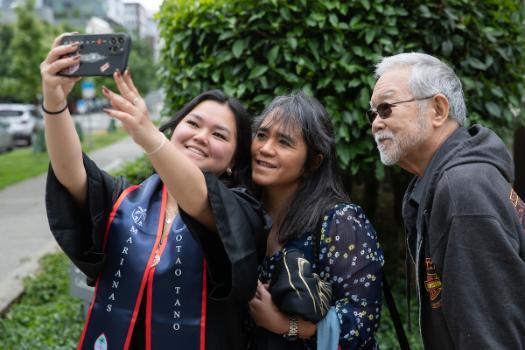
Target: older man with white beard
[463,221]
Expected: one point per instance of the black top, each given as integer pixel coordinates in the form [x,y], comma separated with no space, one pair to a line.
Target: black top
[232,253]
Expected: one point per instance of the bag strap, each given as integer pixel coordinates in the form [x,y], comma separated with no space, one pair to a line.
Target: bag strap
[394,314]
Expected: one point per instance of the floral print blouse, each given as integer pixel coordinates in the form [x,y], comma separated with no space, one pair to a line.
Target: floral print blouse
[351,258]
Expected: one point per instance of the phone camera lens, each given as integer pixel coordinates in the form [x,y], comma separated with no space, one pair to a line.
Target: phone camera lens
[121,40]
[113,41]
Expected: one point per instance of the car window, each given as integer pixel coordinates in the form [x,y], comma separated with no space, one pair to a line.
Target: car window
[10,113]
[35,114]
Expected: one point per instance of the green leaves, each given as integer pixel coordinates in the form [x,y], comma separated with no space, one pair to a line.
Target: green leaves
[238,48]
[46,317]
[257,72]
[258,50]
[272,55]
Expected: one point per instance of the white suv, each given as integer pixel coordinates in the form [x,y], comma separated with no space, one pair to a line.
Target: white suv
[23,120]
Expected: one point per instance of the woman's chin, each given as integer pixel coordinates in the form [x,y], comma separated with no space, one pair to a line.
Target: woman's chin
[262,181]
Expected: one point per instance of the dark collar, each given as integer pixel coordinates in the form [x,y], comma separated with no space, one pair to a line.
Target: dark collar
[419,187]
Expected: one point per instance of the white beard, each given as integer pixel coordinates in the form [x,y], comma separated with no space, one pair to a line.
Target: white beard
[398,146]
[389,154]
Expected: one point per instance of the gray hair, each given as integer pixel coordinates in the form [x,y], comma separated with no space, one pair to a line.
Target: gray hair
[429,76]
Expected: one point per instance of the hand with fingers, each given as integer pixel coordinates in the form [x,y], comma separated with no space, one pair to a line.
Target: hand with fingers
[56,88]
[265,313]
[130,109]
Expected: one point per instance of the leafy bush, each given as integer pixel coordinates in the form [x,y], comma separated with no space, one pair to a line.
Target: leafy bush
[255,50]
[46,317]
[135,171]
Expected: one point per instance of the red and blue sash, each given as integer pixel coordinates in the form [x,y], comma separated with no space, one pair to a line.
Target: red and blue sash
[175,284]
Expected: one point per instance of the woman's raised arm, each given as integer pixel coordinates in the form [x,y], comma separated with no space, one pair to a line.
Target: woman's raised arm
[63,143]
[183,178]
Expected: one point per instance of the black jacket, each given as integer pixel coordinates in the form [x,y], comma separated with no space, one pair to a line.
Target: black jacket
[465,238]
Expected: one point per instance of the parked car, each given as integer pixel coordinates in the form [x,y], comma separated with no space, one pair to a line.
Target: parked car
[23,121]
[7,142]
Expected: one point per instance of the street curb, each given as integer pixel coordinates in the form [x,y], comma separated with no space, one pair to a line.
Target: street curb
[12,287]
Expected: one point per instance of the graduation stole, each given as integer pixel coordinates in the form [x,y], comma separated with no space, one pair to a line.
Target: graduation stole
[172,274]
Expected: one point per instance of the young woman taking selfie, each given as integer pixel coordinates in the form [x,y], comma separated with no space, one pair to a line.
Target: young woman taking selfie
[173,259]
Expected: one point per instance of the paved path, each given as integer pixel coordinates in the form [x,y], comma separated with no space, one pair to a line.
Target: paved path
[25,235]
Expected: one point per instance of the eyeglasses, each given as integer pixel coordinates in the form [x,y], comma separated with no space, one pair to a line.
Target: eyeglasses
[384,110]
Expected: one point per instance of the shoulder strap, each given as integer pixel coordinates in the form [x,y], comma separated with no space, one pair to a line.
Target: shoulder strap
[396,320]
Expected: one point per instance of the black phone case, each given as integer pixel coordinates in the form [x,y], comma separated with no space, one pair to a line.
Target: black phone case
[100,54]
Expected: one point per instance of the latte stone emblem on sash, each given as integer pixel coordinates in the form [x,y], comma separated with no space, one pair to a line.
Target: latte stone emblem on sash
[139,215]
[101,343]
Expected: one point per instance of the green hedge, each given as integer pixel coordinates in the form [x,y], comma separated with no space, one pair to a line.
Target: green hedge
[255,50]
[46,317]
[135,171]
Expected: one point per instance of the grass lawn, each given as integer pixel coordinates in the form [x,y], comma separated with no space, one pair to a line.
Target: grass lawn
[23,163]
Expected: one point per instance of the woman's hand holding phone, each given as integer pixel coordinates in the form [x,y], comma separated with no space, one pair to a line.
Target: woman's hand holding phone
[56,88]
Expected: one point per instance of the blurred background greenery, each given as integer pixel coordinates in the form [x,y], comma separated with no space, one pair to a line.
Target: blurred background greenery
[25,42]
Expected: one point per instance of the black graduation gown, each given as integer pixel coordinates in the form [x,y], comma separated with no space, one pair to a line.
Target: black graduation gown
[232,253]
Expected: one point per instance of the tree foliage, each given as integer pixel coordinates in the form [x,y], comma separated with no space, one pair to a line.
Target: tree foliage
[142,66]
[22,53]
[255,50]
[25,44]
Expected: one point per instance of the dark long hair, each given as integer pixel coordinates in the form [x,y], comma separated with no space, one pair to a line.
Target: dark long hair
[320,187]
[241,171]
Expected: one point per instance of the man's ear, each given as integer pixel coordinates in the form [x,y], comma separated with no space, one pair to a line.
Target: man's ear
[440,110]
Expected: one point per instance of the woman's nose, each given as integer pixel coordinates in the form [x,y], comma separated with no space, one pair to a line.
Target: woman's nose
[201,136]
[267,148]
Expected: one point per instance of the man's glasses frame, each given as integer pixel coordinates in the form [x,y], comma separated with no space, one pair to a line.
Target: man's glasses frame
[384,110]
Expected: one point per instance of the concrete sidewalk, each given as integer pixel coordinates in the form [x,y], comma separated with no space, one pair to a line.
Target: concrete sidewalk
[25,235]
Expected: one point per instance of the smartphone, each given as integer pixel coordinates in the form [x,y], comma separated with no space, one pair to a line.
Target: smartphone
[100,54]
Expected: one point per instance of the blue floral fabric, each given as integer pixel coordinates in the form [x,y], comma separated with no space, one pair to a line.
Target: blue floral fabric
[351,258]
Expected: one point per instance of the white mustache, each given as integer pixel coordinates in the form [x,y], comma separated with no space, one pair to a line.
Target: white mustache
[384,134]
